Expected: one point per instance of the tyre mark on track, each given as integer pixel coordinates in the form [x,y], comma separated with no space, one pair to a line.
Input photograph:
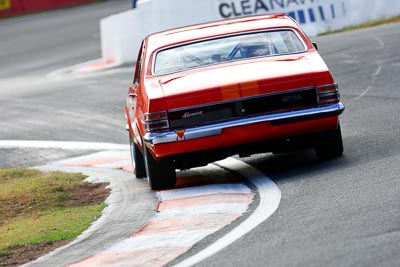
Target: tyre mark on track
[375,75]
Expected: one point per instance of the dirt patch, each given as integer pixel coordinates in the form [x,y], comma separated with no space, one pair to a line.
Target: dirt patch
[23,254]
[87,194]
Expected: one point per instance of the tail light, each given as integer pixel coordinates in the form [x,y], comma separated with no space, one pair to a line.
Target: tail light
[156,121]
[328,94]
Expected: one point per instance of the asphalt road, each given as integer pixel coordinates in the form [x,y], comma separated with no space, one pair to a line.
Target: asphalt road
[35,106]
[345,212]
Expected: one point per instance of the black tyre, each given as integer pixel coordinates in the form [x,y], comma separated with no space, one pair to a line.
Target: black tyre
[161,174]
[330,146]
[137,160]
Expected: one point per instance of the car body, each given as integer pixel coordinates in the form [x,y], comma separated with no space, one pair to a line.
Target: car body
[239,86]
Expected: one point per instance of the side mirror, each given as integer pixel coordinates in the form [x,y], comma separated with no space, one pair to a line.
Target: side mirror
[315,45]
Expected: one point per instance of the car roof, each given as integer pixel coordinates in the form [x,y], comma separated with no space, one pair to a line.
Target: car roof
[218,28]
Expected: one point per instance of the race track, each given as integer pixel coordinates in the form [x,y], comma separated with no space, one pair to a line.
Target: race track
[344,212]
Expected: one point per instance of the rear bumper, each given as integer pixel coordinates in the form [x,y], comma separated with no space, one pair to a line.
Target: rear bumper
[273,119]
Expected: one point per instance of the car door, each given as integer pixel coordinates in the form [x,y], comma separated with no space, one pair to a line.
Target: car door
[132,97]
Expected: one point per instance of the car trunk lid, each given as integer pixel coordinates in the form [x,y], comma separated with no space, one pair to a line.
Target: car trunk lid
[239,89]
[236,80]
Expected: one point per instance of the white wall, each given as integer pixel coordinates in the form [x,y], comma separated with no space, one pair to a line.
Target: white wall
[121,34]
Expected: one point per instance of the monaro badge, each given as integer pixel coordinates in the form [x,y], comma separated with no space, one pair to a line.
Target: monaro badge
[187,115]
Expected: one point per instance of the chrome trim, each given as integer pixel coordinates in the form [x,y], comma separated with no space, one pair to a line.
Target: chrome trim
[276,118]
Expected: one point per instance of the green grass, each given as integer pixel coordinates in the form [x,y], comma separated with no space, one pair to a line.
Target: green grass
[33,208]
[52,225]
[365,25]
[24,192]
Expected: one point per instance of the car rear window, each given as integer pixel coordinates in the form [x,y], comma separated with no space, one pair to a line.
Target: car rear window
[225,49]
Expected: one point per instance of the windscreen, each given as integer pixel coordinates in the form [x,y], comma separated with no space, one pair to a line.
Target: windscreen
[225,49]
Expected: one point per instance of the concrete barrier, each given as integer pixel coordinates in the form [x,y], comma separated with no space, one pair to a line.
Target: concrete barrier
[121,34]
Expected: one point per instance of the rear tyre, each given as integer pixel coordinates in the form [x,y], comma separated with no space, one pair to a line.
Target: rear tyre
[330,146]
[161,173]
[137,160]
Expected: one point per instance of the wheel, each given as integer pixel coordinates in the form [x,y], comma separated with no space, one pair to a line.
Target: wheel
[161,174]
[137,160]
[330,146]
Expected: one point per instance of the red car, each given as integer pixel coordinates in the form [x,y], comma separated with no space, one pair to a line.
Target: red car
[240,86]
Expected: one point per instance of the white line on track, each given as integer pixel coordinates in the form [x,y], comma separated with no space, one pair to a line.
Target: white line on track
[270,197]
[67,145]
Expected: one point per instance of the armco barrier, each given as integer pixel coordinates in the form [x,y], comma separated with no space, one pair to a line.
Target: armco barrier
[121,34]
[18,7]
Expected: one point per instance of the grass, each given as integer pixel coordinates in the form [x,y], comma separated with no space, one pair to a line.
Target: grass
[36,207]
[54,225]
[366,25]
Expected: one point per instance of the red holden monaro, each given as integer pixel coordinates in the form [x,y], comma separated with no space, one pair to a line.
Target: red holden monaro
[241,86]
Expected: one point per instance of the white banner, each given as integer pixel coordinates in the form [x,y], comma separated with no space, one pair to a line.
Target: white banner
[305,11]
[310,14]
[122,33]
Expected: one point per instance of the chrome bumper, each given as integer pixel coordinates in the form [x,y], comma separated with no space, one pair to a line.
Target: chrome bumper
[276,118]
